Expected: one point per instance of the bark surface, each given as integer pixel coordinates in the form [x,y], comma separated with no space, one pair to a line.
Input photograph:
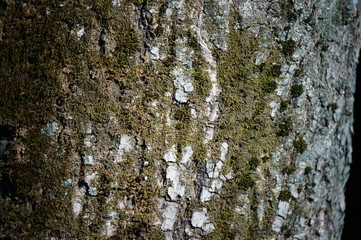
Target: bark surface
[176,119]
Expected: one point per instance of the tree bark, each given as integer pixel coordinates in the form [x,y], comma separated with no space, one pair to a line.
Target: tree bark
[174,119]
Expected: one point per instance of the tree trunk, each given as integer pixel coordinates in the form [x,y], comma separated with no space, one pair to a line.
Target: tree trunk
[174,119]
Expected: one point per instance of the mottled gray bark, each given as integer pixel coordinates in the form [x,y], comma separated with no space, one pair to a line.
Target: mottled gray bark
[132,119]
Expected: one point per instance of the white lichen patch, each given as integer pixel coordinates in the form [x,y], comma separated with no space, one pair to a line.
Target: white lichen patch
[209,134]
[216,186]
[283,208]
[51,128]
[173,173]
[125,203]
[126,144]
[80,32]
[109,227]
[208,228]
[200,220]
[206,195]
[181,96]
[224,151]
[277,224]
[88,160]
[176,189]
[68,182]
[183,80]
[171,155]
[170,215]
[89,177]
[274,108]
[261,210]
[116,3]
[154,53]
[186,154]
[77,201]
[213,170]
[89,140]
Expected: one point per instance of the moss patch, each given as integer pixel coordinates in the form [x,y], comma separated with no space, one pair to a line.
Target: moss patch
[296,90]
[288,47]
[49,73]
[246,125]
[300,145]
[284,127]
[332,106]
[285,195]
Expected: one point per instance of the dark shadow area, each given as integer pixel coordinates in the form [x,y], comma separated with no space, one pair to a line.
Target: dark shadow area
[352,225]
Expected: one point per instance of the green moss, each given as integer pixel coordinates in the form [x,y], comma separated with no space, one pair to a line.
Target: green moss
[284,127]
[32,58]
[270,86]
[284,105]
[332,106]
[287,10]
[287,233]
[289,169]
[298,73]
[137,2]
[58,76]
[253,163]
[246,126]
[324,48]
[296,90]
[266,158]
[342,15]
[201,81]
[309,186]
[285,195]
[275,70]
[300,145]
[308,170]
[192,41]
[245,182]
[308,20]
[127,45]
[288,47]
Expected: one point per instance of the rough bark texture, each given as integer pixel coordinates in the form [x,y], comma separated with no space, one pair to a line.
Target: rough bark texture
[176,119]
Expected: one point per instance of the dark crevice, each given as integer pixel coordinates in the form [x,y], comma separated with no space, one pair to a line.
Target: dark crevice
[352,222]
[8,188]
[7,132]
